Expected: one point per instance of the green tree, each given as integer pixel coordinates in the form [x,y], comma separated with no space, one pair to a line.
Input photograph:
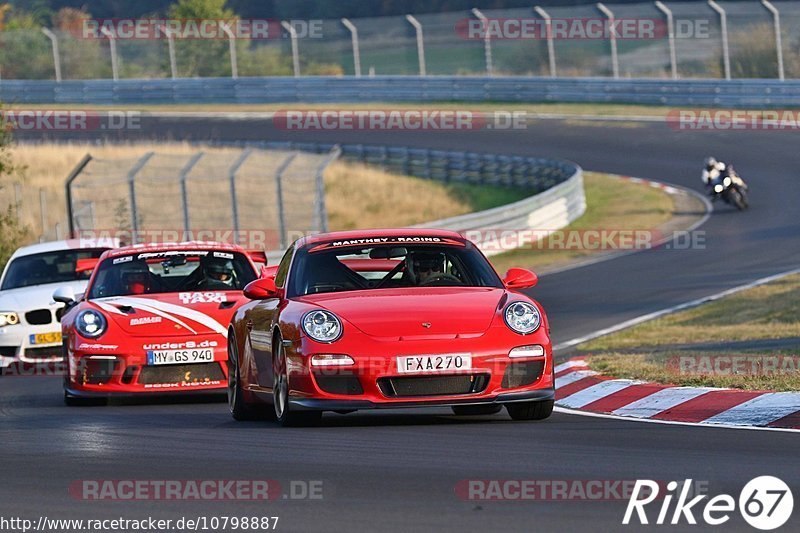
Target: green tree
[12,233]
[200,57]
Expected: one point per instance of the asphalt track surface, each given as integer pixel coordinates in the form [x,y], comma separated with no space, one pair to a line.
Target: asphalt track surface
[398,471]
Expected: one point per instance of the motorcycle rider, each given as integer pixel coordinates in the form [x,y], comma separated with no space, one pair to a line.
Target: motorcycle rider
[715,170]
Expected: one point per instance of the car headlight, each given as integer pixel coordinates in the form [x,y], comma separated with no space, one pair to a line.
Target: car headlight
[90,323]
[322,326]
[522,317]
[8,318]
[718,188]
[726,181]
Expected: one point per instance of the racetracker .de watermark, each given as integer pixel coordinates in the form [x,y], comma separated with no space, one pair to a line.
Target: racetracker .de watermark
[734,364]
[579,29]
[249,239]
[588,240]
[399,119]
[69,120]
[734,119]
[194,29]
[194,489]
[557,489]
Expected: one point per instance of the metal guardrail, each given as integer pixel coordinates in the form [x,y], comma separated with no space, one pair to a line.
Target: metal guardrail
[559,198]
[544,212]
[731,93]
[534,173]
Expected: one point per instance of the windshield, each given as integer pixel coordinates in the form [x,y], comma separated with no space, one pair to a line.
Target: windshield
[317,271]
[48,267]
[171,271]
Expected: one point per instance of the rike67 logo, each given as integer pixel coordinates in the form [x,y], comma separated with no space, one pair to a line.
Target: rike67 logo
[765,503]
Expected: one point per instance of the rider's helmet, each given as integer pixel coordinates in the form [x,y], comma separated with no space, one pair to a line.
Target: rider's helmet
[711,163]
[218,272]
[424,265]
[136,279]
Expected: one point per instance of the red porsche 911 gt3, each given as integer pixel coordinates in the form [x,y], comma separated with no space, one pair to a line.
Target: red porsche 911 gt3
[153,320]
[388,319]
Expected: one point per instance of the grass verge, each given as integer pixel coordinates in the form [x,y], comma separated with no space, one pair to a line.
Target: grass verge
[356,195]
[611,204]
[666,350]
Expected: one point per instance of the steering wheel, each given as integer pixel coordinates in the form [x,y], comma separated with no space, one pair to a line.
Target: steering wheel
[441,276]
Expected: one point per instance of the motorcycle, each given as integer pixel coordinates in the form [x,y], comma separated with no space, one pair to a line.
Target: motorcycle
[725,188]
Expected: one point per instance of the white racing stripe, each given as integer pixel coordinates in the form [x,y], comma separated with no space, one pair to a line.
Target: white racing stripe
[661,401]
[589,414]
[566,379]
[569,364]
[595,392]
[156,307]
[760,410]
[149,309]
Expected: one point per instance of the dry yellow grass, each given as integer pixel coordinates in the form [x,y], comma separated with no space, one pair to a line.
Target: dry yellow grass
[357,196]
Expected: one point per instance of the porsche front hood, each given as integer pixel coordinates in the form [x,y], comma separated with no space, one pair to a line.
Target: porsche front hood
[440,311]
[171,314]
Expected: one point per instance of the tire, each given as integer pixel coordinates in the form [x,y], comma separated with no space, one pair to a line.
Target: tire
[239,408]
[280,393]
[738,200]
[530,410]
[476,410]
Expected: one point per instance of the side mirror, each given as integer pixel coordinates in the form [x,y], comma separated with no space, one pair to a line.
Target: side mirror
[519,278]
[64,295]
[269,271]
[261,289]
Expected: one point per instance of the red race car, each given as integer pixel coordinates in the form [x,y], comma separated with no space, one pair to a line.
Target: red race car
[153,320]
[387,319]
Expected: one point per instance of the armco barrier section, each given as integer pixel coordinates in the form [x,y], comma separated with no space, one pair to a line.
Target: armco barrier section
[733,93]
[558,201]
[496,230]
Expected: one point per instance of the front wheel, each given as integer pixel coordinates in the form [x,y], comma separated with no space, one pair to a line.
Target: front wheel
[530,410]
[239,408]
[280,393]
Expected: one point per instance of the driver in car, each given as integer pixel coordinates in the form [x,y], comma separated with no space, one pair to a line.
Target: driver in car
[218,273]
[426,266]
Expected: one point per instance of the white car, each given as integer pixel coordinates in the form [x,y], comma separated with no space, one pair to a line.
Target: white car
[29,319]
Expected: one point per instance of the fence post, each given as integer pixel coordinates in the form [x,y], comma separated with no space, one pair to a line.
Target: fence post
[551,48]
[321,212]
[173,64]
[673,56]
[234,201]
[112,45]
[184,193]
[56,55]
[487,41]
[356,52]
[232,48]
[612,38]
[17,198]
[420,43]
[68,190]
[723,23]
[132,191]
[295,51]
[43,209]
[776,22]
[279,197]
